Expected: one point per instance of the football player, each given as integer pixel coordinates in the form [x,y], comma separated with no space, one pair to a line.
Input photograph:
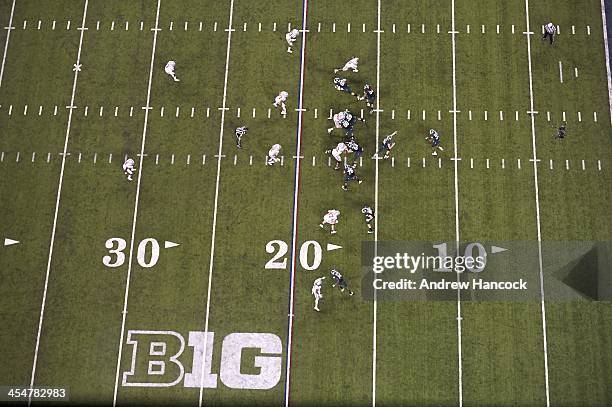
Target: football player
[351,64]
[357,150]
[128,168]
[331,219]
[280,101]
[342,84]
[337,152]
[170,70]
[560,132]
[369,217]
[386,146]
[316,291]
[338,119]
[240,132]
[434,140]
[369,96]
[340,282]
[291,36]
[273,154]
[350,175]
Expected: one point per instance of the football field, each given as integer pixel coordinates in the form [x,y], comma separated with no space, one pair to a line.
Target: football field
[191,283]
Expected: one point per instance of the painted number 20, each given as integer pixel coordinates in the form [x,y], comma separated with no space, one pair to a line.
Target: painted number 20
[147,257]
[279,249]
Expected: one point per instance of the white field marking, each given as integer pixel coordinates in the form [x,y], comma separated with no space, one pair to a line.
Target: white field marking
[110,158]
[334,27]
[141,25]
[40,109]
[282,161]
[579,117]
[422,28]
[186,23]
[424,162]
[116,110]
[251,160]
[136,202]
[438,28]
[573,29]
[131,111]
[563,116]
[503,164]
[17,158]
[216,204]
[236,159]
[439,115]
[516,114]
[95,159]
[238,113]
[79,158]
[55,110]
[407,28]
[53,25]
[244,27]
[439,163]
[558,30]
[567,165]
[127,25]
[583,167]
[171,25]
[39,23]
[392,114]
[595,116]
[512,28]
[161,111]
[470,114]
[363,27]
[112,26]
[560,72]
[10,111]
[289,26]
[25,110]
[518,163]
[215,26]
[25,24]
[607,53]
[537,202]
[576,72]
[172,159]
[392,161]
[457,236]
[501,115]
[486,115]
[408,162]
[551,164]
[316,114]
[2,157]
[467,28]
[547,116]
[177,112]
[599,165]
[101,110]
[483,29]
[57,203]
[589,29]
[393,28]
[86,110]
[274,27]
[188,159]
[68,25]
[200,27]
[259,27]
[498,28]
[208,112]
[156,159]
[487,163]
[423,116]
[313,160]
[97,25]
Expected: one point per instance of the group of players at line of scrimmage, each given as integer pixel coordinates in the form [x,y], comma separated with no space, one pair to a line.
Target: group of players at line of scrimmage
[344,120]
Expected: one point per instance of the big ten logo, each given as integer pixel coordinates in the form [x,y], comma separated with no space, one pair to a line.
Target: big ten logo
[157,362]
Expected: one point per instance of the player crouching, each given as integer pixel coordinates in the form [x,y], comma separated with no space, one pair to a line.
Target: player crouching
[331,219]
[434,140]
[169,69]
[337,152]
[350,175]
[340,282]
[342,85]
[273,154]
[351,65]
[128,168]
[279,100]
[386,146]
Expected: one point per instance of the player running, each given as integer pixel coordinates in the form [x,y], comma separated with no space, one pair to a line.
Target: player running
[386,146]
[291,36]
[279,100]
[549,32]
[350,175]
[369,217]
[273,154]
[337,152]
[128,168]
[316,291]
[169,69]
[369,96]
[352,65]
[340,282]
[342,84]
[331,219]
[240,132]
[560,132]
[434,140]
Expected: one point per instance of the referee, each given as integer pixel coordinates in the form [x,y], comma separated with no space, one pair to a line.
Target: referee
[549,31]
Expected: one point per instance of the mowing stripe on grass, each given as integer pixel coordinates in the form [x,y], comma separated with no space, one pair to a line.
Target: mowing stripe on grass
[537,202]
[295,210]
[57,202]
[136,201]
[214,223]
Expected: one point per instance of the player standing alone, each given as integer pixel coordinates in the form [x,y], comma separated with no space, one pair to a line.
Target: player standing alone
[291,36]
[316,291]
[369,217]
[331,219]
[240,132]
[549,31]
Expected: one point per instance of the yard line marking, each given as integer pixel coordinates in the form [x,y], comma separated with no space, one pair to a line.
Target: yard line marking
[423,114]
[79,158]
[498,28]
[558,29]
[518,163]
[295,208]
[607,53]
[486,115]
[85,112]
[563,116]
[208,112]
[483,29]
[576,72]
[595,116]
[97,25]
[238,113]
[215,26]
[116,110]
[363,27]
[101,110]
[10,111]
[53,25]
[375,309]
[334,27]
[127,26]
[537,202]
[251,160]
[136,202]
[551,164]
[470,114]
[408,162]
[560,72]
[424,162]
[407,28]
[467,28]
[48,156]
[501,115]
[488,163]
[57,202]
[2,157]
[161,111]
[141,25]
[547,116]
[456,184]
[40,108]
[259,27]
[599,165]
[408,115]
[567,164]
[39,23]
[392,161]
[25,110]
[516,114]
[236,159]
[269,112]
[110,158]
[579,117]
[393,114]
[274,27]
[289,26]
[439,115]
[17,158]
[315,113]
[113,26]
[583,167]
[171,25]
[177,112]
[313,160]
[216,204]
[95,159]
[512,28]
[503,164]
[438,28]
[423,28]
[589,27]
[573,29]
[54,110]
[25,23]
[244,27]
[172,160]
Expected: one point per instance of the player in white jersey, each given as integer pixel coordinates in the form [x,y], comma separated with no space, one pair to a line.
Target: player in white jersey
[273,154]
[338,118]
[316,291]
[352,65]
[549,31]
[128,168]
[291,36]
[337,152]
[331,219]
[170,70]
[280,101]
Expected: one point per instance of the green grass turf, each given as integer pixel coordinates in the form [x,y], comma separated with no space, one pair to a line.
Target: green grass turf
[416,341]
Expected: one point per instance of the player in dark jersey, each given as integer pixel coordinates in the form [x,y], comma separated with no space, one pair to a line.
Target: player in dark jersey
[350,175]
[340,282]
[369,217]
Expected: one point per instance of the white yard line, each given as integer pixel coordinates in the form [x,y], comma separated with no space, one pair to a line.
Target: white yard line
[136,201]
[214,224]
[58,197]
[607,53]
[296,190]
[537,202]
[456,171]
[6,44]
[375,308]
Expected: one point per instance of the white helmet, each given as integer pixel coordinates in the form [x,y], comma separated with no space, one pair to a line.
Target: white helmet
[295,31]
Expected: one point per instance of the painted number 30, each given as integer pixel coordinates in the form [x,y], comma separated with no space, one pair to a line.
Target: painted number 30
[279,249]
[148,252]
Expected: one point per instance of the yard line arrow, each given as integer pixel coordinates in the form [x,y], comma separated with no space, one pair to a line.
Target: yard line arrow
[10,242]
[331,247]
[168,244]
[497,249]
